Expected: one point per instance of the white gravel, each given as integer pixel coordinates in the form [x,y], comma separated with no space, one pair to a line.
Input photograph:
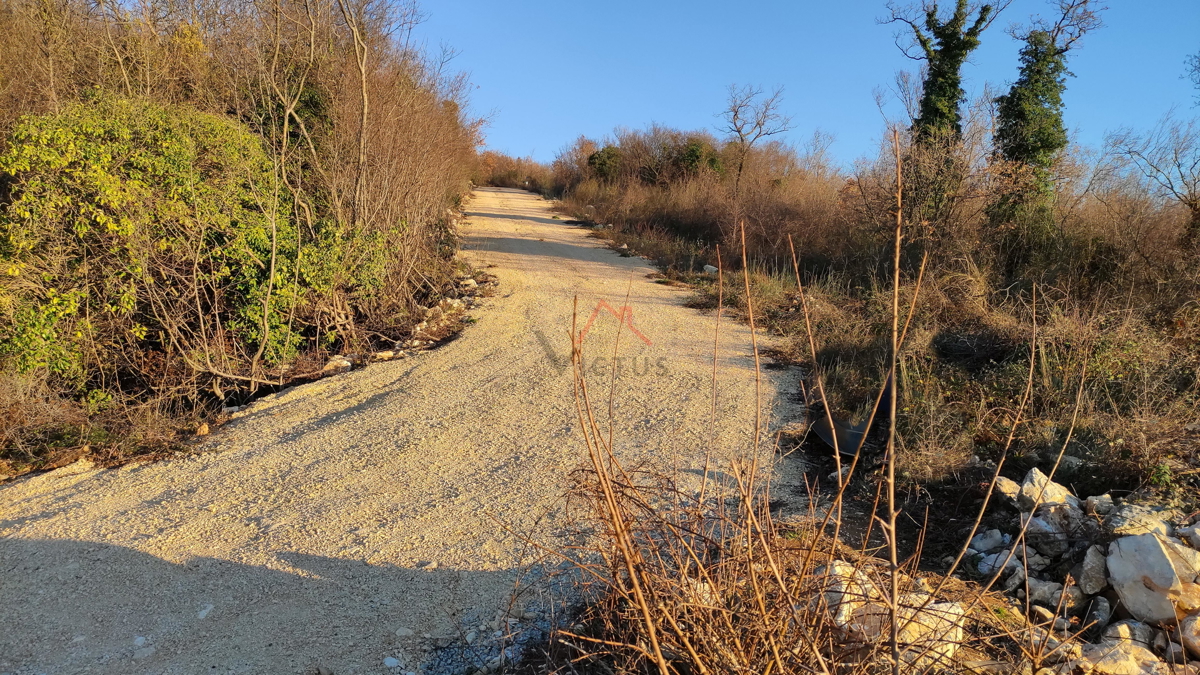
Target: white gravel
[293,545]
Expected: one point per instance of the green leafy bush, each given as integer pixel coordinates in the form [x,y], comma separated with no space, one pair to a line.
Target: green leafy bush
[138,239]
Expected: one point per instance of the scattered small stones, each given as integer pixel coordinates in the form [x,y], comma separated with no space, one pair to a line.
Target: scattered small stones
[144,652]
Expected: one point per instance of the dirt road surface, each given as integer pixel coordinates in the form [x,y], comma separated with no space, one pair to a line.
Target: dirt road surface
[306,536]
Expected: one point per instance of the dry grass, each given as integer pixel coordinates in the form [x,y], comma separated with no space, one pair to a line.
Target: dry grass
[707,581]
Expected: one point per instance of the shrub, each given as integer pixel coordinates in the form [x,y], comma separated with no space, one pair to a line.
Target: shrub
[131,227]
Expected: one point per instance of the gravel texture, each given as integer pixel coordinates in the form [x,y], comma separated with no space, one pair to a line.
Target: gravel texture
[371,521]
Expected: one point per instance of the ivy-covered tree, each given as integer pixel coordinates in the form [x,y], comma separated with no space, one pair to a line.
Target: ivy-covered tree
[1029,124]
[1029,121]
[1030,132]
[944,44]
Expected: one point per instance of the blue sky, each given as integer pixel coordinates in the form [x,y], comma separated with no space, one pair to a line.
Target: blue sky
[546,72]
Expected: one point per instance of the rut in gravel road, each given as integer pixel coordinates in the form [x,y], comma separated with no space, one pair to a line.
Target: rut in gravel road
[303,538]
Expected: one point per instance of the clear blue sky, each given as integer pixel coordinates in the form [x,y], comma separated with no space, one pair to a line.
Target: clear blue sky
[546,72]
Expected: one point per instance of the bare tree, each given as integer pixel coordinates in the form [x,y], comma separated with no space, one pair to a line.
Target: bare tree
[750,117]
[1076,18]
[1169,157]
[1193,73]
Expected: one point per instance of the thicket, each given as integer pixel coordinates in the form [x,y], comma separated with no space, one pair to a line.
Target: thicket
[198,200]
[1022,244]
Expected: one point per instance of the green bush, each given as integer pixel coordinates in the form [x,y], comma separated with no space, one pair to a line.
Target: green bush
[138,239]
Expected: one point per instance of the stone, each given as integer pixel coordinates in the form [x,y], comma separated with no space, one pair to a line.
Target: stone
[1032,559]
[1188,600]
[709,269]
[391,662]
[1041,614]
[994,563]
[204,611]
[987,542]
[846,589]
[404,632]
[139,641]
[1099,613]
[1189,634]
[1048,534]
[703,593]
[1186,560]
[470,637]
[1121,658]
[1133,519]
[1175,654]
[1093,576]
[1015,580]
[1038,484]
[1100,505]
[1141,572]
[202,430]
[1043,592]
[1009,489]
[1191,535]
[1069,600]
[930,633]
[1135,631]
[468,283]
[385,355]
[1070,463]
[143,653]
[336,366]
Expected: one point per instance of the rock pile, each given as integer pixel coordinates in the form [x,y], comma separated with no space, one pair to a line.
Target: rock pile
[434,318]
[1124,577]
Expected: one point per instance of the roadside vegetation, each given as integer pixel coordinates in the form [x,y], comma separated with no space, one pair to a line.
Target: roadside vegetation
[199,202]
[1024,246]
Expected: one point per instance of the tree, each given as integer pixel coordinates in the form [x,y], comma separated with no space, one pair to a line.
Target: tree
[750,117]
[1030,132]
[1169,158]
[1193,73]
[944,44]
[606,162]
[1029,125]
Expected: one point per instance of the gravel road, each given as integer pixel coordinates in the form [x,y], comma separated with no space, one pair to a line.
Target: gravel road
[334,525]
